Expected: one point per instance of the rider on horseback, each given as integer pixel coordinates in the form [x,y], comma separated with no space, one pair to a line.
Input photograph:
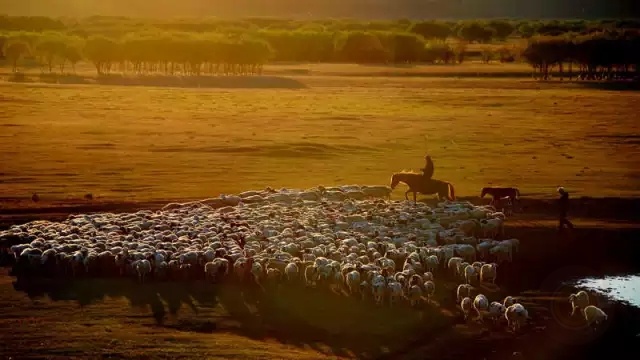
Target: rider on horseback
[427,171]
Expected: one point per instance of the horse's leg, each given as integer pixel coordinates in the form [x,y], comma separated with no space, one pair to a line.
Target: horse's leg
[406,194]
[415,198]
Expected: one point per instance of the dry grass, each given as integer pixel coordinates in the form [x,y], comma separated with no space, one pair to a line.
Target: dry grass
[143,143]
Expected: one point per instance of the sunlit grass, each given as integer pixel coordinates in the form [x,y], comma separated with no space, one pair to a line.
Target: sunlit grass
[152,142]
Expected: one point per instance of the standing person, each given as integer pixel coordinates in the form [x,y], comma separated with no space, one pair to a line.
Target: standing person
[563,205]
[427,171]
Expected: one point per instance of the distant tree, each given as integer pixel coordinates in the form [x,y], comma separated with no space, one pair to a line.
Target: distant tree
[16,50]
[102,52]
[50,49]
[431,29]
[502,28]
[526,30]
[475,31]
[407,48]
[363,47]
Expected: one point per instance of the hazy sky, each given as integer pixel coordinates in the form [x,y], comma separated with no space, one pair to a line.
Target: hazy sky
[328,8]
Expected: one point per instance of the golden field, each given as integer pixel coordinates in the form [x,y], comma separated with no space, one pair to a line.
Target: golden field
[159,142]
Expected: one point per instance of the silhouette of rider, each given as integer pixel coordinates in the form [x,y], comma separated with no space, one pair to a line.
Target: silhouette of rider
[427,171]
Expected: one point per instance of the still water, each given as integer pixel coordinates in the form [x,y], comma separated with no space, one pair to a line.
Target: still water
[620,288]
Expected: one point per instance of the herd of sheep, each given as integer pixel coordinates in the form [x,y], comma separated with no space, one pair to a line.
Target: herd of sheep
[352,239]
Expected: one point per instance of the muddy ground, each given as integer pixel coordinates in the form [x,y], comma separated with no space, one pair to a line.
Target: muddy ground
[606,241]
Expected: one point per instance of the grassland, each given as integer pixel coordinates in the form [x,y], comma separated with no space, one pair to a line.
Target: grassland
[143,142]
[160,139]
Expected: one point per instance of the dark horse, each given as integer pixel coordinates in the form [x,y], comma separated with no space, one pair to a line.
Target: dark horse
[418,184]
[498,193]
[510,194]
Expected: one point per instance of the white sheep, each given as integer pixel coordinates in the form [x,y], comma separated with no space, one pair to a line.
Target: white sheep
[352,279]
[292,272]
[428,276]
[488,273]
[429,289]
[594,316]
[454,264]
[579,301]
[508,301]
[480,305]
[432,263]
[143,268]
[463,290]
[496,310]
[492,228]
[415,295]
[378,292]
[395,292]
[466,305]
[470,274]
[516,316]
[311,275]
[502,252]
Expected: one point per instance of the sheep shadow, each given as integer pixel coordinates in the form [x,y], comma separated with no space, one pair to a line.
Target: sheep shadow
[319,319]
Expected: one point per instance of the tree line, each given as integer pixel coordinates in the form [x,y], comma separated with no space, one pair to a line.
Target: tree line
[191,47]
[470,30]
[214,53]
[605,55]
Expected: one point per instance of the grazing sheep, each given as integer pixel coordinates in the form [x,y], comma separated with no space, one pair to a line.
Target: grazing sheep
[516,316]
[488,273]
[466,305]
[311,275]
[432,263]
[143,268]
[464,290]
[334,237]
[480,305]
[453,264]
[395,292]
[292,272]
[508,301]
[470,274]
[496,310]
[594,316]
[353,282]
[429,289]
[579,301]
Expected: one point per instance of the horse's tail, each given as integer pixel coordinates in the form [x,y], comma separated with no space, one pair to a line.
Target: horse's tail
[452,191]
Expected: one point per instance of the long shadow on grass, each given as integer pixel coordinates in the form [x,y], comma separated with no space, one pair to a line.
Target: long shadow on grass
[611,85]
[312,318]
[225,82]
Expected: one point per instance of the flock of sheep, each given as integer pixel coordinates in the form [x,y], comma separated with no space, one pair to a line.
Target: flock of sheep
[351,239]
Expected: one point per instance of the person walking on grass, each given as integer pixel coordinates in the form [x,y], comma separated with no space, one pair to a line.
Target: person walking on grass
[563,207]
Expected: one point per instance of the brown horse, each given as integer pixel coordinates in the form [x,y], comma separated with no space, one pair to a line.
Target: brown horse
[418,184]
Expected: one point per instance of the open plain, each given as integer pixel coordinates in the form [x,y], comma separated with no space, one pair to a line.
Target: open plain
[144,142]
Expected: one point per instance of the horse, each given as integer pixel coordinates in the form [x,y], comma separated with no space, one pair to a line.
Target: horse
[498,193]
[418,184]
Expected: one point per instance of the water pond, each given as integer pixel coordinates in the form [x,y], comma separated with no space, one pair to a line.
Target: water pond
[620,288]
